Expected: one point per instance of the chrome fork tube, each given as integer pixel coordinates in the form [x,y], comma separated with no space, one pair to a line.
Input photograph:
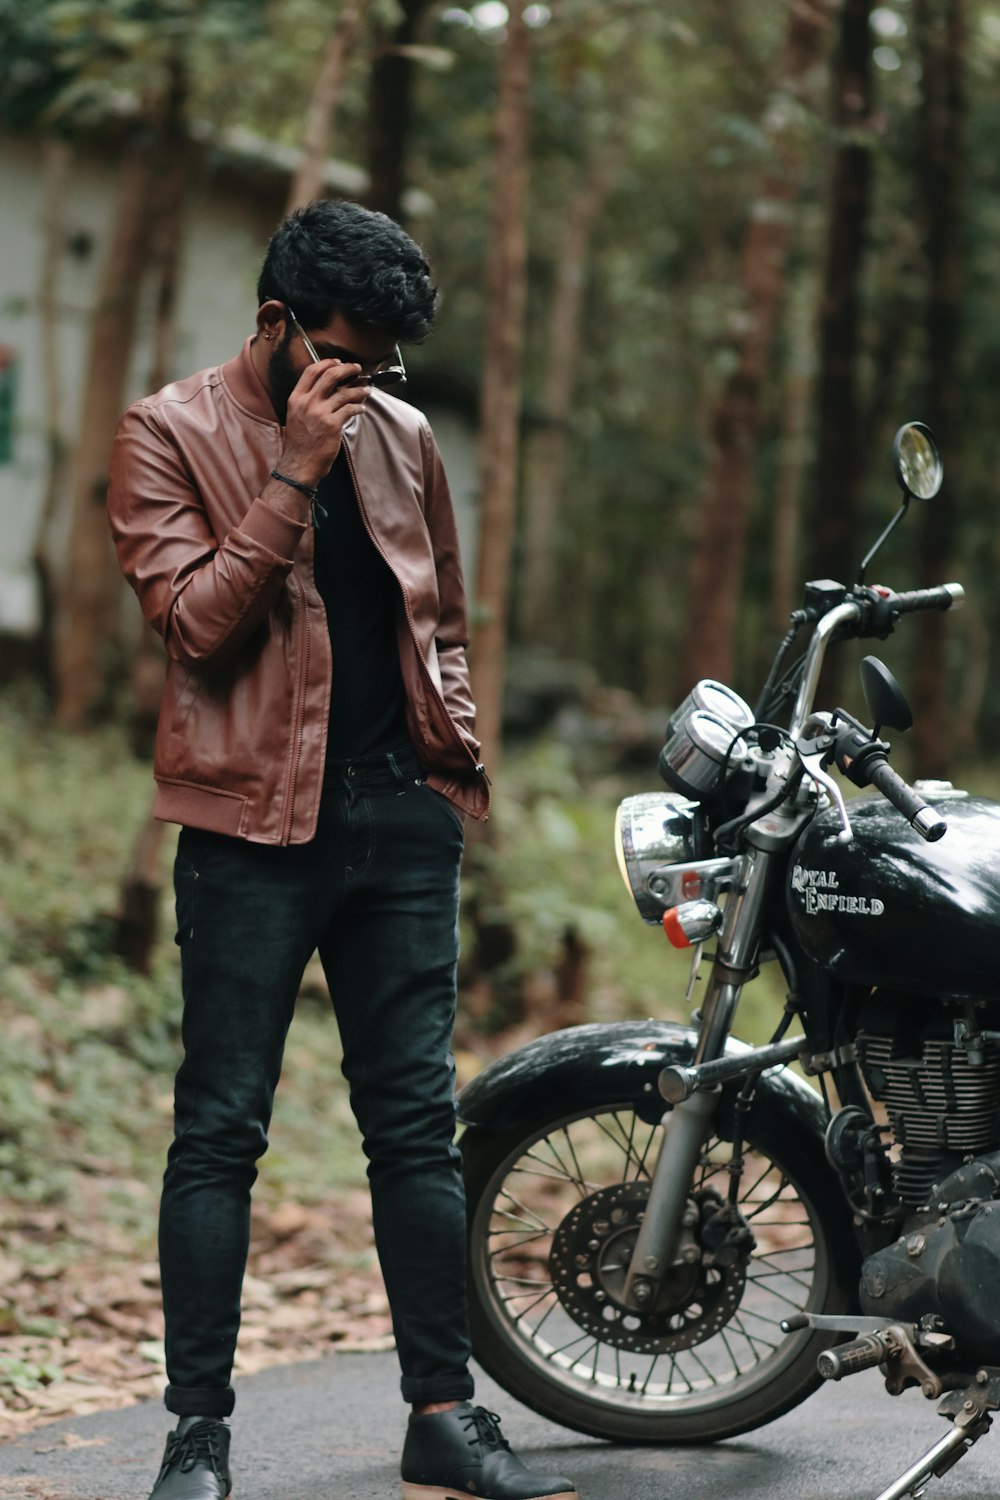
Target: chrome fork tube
[686,1127]
[735,953]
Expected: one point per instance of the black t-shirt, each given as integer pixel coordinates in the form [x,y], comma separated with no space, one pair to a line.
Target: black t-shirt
[361,596]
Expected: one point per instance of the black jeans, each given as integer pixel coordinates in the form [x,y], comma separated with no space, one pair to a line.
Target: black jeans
[377,893]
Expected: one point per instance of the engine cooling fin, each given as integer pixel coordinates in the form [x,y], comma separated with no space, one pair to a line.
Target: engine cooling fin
[942,1109]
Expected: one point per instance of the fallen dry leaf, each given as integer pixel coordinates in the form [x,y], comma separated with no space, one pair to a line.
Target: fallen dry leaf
[84,1304]
[73,1440]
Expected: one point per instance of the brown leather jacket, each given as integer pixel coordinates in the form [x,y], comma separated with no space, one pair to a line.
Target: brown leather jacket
[228,582]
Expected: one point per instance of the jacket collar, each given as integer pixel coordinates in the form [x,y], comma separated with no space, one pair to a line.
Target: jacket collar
[244,385]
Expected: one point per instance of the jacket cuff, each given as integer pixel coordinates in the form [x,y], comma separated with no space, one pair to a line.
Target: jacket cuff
[273,529]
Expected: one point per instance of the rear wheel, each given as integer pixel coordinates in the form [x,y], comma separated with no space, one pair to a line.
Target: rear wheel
[554,1212]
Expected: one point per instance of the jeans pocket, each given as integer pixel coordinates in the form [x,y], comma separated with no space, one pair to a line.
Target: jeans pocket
[449,807]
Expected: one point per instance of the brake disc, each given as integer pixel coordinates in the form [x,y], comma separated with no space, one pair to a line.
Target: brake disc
[589,1261]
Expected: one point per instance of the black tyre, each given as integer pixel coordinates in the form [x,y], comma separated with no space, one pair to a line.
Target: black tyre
[553,1211]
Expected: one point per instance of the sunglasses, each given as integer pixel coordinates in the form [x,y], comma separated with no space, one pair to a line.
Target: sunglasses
[384,375]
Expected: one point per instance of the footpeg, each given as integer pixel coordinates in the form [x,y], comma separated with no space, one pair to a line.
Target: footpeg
[850,1359]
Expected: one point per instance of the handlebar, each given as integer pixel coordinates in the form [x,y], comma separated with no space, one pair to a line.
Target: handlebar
[921,817]
[865,762]
[944,596]
[853,616]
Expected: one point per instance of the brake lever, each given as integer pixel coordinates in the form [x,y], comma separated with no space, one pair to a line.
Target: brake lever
[812,763]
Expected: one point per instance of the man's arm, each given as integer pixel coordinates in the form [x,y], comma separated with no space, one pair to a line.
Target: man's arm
[205,597]
[452,635]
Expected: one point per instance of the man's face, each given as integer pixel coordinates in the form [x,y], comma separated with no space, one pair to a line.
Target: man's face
[352,343]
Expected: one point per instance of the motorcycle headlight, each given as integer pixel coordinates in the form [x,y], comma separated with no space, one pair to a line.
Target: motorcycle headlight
[657,838]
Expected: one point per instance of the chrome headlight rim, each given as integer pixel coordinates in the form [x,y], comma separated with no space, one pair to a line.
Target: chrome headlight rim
[656,846]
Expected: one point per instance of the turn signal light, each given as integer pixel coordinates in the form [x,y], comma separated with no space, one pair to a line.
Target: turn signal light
[692,922]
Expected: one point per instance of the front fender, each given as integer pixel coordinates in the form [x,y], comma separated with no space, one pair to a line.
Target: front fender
[585,1067]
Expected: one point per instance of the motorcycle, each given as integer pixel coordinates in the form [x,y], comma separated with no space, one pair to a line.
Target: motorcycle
[674,1237]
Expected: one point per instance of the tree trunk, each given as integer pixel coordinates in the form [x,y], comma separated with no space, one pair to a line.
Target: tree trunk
[506,277]
[390,112]
[538,613]
[57,163]
[172,167]
[716,573]
[307,184]
[90,590]
[940,27]
[840,438]
[796,409]
[137,925]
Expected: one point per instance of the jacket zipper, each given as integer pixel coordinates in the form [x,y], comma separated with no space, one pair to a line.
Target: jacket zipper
[299,726]
[425,669]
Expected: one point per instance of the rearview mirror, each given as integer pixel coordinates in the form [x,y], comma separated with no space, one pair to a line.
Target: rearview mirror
[885,698]
[917,458]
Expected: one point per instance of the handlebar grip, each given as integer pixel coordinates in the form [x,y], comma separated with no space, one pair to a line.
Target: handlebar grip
[945,596]
[928,823]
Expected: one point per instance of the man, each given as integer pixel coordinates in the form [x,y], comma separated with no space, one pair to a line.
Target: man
[287,527]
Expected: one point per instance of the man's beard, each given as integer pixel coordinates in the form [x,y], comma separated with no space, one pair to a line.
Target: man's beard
[283,378]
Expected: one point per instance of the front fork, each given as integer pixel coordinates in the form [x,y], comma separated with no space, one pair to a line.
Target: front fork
[687,1126]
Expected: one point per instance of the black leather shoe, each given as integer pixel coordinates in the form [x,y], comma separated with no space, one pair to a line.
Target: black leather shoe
[195,1463]
[461,1455]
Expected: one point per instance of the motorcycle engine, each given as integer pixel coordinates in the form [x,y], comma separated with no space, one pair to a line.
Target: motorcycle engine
[946,1265]
[942,1100]
[943,1105]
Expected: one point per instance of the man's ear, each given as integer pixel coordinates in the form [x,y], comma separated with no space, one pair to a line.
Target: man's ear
[272,320]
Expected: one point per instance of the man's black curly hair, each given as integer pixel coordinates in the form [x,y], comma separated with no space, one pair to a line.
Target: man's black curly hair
[335,256]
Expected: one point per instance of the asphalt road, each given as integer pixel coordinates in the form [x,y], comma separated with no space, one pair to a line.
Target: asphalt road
[332,1429]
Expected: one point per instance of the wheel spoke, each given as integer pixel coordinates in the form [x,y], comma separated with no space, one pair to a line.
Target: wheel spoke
[753,1339]
[772,1291]
[699,1361]
[729,1351]
[516,1297]
[511,1247]
[625,1142]
[674,1370]
[531,1218]
[548,1171]
[649,1374]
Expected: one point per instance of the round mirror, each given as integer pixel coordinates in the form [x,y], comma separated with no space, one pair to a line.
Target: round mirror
[918,461]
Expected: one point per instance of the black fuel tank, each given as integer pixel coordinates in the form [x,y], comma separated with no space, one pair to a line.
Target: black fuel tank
[889,909]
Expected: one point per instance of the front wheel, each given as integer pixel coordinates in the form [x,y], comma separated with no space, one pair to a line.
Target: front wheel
[553,1214]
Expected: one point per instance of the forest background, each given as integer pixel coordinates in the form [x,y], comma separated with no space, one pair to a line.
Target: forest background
[698,260]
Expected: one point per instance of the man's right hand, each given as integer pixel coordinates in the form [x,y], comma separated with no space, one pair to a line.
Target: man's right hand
[321,405]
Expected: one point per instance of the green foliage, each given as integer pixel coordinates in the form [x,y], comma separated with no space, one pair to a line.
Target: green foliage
[25,1374]
[71,62]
